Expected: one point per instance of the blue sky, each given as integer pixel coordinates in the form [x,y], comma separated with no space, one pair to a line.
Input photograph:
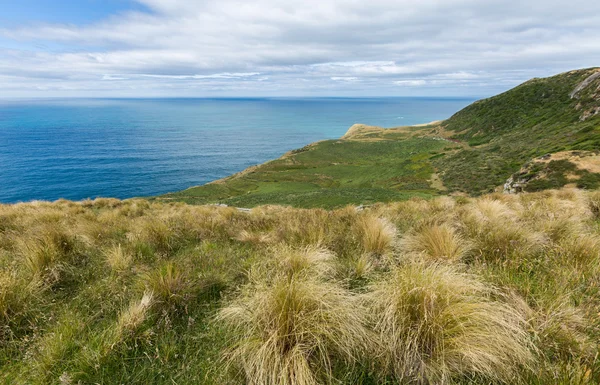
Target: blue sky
[79,12]
[120,48]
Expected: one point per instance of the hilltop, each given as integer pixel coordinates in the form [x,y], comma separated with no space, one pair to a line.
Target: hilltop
[475,151]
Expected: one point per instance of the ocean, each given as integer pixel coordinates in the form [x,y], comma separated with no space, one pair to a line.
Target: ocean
[87,148]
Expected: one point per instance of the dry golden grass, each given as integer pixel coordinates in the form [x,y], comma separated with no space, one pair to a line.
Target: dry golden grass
[289,332]
[118,259]
[376,234]
[255,238]
[304,296]
[47,255]
[594,203]
[436,242]
[14,295]
[135,314]
[436,324]
[561,328]
[308,261]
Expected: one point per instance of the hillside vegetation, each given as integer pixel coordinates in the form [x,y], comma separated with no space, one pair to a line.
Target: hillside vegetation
[489,290]
[473,152]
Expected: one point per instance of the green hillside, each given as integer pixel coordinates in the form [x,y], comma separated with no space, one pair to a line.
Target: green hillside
[533,119]
[473,152]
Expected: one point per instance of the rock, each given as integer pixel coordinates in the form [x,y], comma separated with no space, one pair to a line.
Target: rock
[583,85]
[513,186]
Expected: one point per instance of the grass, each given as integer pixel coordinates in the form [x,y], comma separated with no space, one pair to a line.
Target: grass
[435,324]
[496,289]
[329,174]
[473,152]
[293,331]
[437,242]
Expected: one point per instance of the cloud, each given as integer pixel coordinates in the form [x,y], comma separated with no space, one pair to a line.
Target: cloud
[380,47]
[225,75]
[344,78]
[410,83]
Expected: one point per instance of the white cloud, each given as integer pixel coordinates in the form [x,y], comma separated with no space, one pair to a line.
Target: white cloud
[336,47]
[410,83]
[344,78]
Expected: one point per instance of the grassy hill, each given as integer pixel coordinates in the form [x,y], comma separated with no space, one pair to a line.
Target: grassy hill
[473,152]
[491,290]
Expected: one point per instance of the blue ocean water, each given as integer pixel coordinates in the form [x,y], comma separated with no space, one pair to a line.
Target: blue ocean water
[85,148]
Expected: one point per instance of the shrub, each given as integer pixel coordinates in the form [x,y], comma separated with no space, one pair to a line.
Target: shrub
[436,324]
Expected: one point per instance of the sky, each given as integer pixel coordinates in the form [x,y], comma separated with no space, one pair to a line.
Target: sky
[237,48]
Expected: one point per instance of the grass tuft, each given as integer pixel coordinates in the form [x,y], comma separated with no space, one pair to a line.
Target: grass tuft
[118,259]
[293,332]
[437,242]
[376,234]
[436,324]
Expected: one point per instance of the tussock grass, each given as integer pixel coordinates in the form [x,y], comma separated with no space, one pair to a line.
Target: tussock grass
[134,315]
[495,234]
[167,284]
[495,289]
[118,259]
[594,203]
[436,324]
[309,261]
[292,331]
[376,234]
[561,329]
[437,242]
[17,296]
[48,255]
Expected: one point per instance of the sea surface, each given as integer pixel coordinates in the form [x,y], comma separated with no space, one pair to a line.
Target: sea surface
[85,148]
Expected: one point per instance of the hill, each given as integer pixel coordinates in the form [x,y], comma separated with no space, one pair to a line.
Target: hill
[475,151]
[499,289]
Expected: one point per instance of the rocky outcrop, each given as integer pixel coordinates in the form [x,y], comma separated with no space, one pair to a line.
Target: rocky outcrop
[584,84]
[588,94]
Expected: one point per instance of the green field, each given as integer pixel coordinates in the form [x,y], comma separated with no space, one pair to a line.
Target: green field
[330,174]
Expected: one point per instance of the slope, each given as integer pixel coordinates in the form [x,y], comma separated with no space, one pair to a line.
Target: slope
[473,152]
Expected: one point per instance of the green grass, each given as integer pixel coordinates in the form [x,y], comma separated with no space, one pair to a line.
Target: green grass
[493,138]
[330,174]
[507,130]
